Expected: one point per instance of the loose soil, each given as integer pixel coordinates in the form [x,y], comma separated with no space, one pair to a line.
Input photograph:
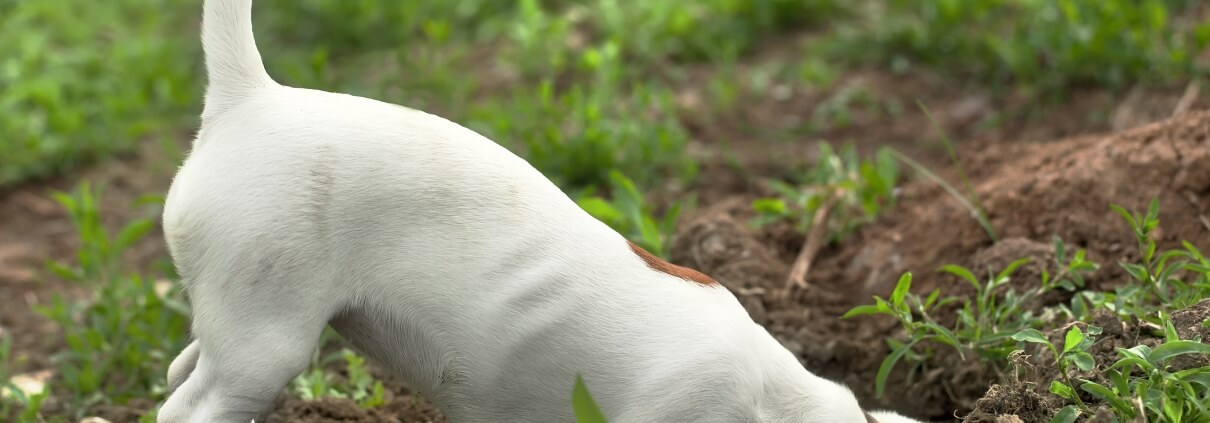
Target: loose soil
[1057,177]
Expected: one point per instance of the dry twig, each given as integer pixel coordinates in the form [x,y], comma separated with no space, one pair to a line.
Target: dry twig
[810,247]
[1187,99]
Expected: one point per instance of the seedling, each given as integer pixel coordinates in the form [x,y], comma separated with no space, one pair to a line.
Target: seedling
[359,386]
[901,305]
[1140,384]
[856,190]
[628,212]
[1074,353]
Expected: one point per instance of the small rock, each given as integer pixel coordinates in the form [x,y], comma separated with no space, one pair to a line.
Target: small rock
[94,420]
[162,286]
[29,383]
[1011,418]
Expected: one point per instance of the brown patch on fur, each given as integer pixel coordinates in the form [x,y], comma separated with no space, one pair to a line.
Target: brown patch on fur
[659,265]
[869,418]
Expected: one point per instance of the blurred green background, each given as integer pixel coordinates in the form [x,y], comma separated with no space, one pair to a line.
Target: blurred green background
[581,87]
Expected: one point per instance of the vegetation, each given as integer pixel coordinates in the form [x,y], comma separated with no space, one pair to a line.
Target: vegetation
[593,94]
[995,321]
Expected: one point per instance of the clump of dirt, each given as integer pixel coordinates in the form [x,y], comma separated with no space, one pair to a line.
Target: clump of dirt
[1031,192]
[1018,400]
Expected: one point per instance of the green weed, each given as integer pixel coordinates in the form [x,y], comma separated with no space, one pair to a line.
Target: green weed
[14,402]
[855,190]
[986,322]
[1051,44]
[86,80]
[629,213]
[1139,385]
[358,385]
[1073,355]
[120,342]
[578,136]
[1160,281]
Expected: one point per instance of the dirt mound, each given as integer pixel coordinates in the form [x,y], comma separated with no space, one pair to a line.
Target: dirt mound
[1031,192]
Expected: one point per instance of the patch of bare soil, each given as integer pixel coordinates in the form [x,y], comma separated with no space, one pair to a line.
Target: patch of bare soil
[1030,191]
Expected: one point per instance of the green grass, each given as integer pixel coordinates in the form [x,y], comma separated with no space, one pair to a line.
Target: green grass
[1053,45]
[86,80]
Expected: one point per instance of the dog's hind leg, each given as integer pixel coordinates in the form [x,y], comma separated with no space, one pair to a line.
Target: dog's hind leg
[252,339]
[182,366]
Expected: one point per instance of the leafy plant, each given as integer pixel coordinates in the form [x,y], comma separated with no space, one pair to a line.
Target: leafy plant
[987,320]
[1052,44]
[628,212]
[99,255]
[855,190]
[904,306]
[1160,281]
[86,80]
[359,385]
[1070,273]
[1139,384]
[1159,275]
[577,136]
[1073,355]
[120,343]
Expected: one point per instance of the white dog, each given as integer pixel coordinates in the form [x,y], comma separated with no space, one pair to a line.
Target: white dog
[444,258]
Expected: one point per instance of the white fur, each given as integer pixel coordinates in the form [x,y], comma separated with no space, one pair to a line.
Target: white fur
[444,258]
[890,417]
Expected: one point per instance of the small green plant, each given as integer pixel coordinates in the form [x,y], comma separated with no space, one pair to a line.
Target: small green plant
[986,321]
[854,191]
[628,212]
[99,255]
[119,343]
[1159,275]
[15,403]
[1073,355]
[577,136]
[904,306]
[1139,385]
[1070,273]
[585,408]
[359,385]
[1160,281]
[10,393]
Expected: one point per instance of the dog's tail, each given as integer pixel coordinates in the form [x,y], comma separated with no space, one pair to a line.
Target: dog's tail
[233,64]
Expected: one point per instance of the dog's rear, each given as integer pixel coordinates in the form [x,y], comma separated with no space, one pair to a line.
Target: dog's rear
[247,282]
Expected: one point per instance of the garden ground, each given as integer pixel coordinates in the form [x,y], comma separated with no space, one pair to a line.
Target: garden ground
[1038,171]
